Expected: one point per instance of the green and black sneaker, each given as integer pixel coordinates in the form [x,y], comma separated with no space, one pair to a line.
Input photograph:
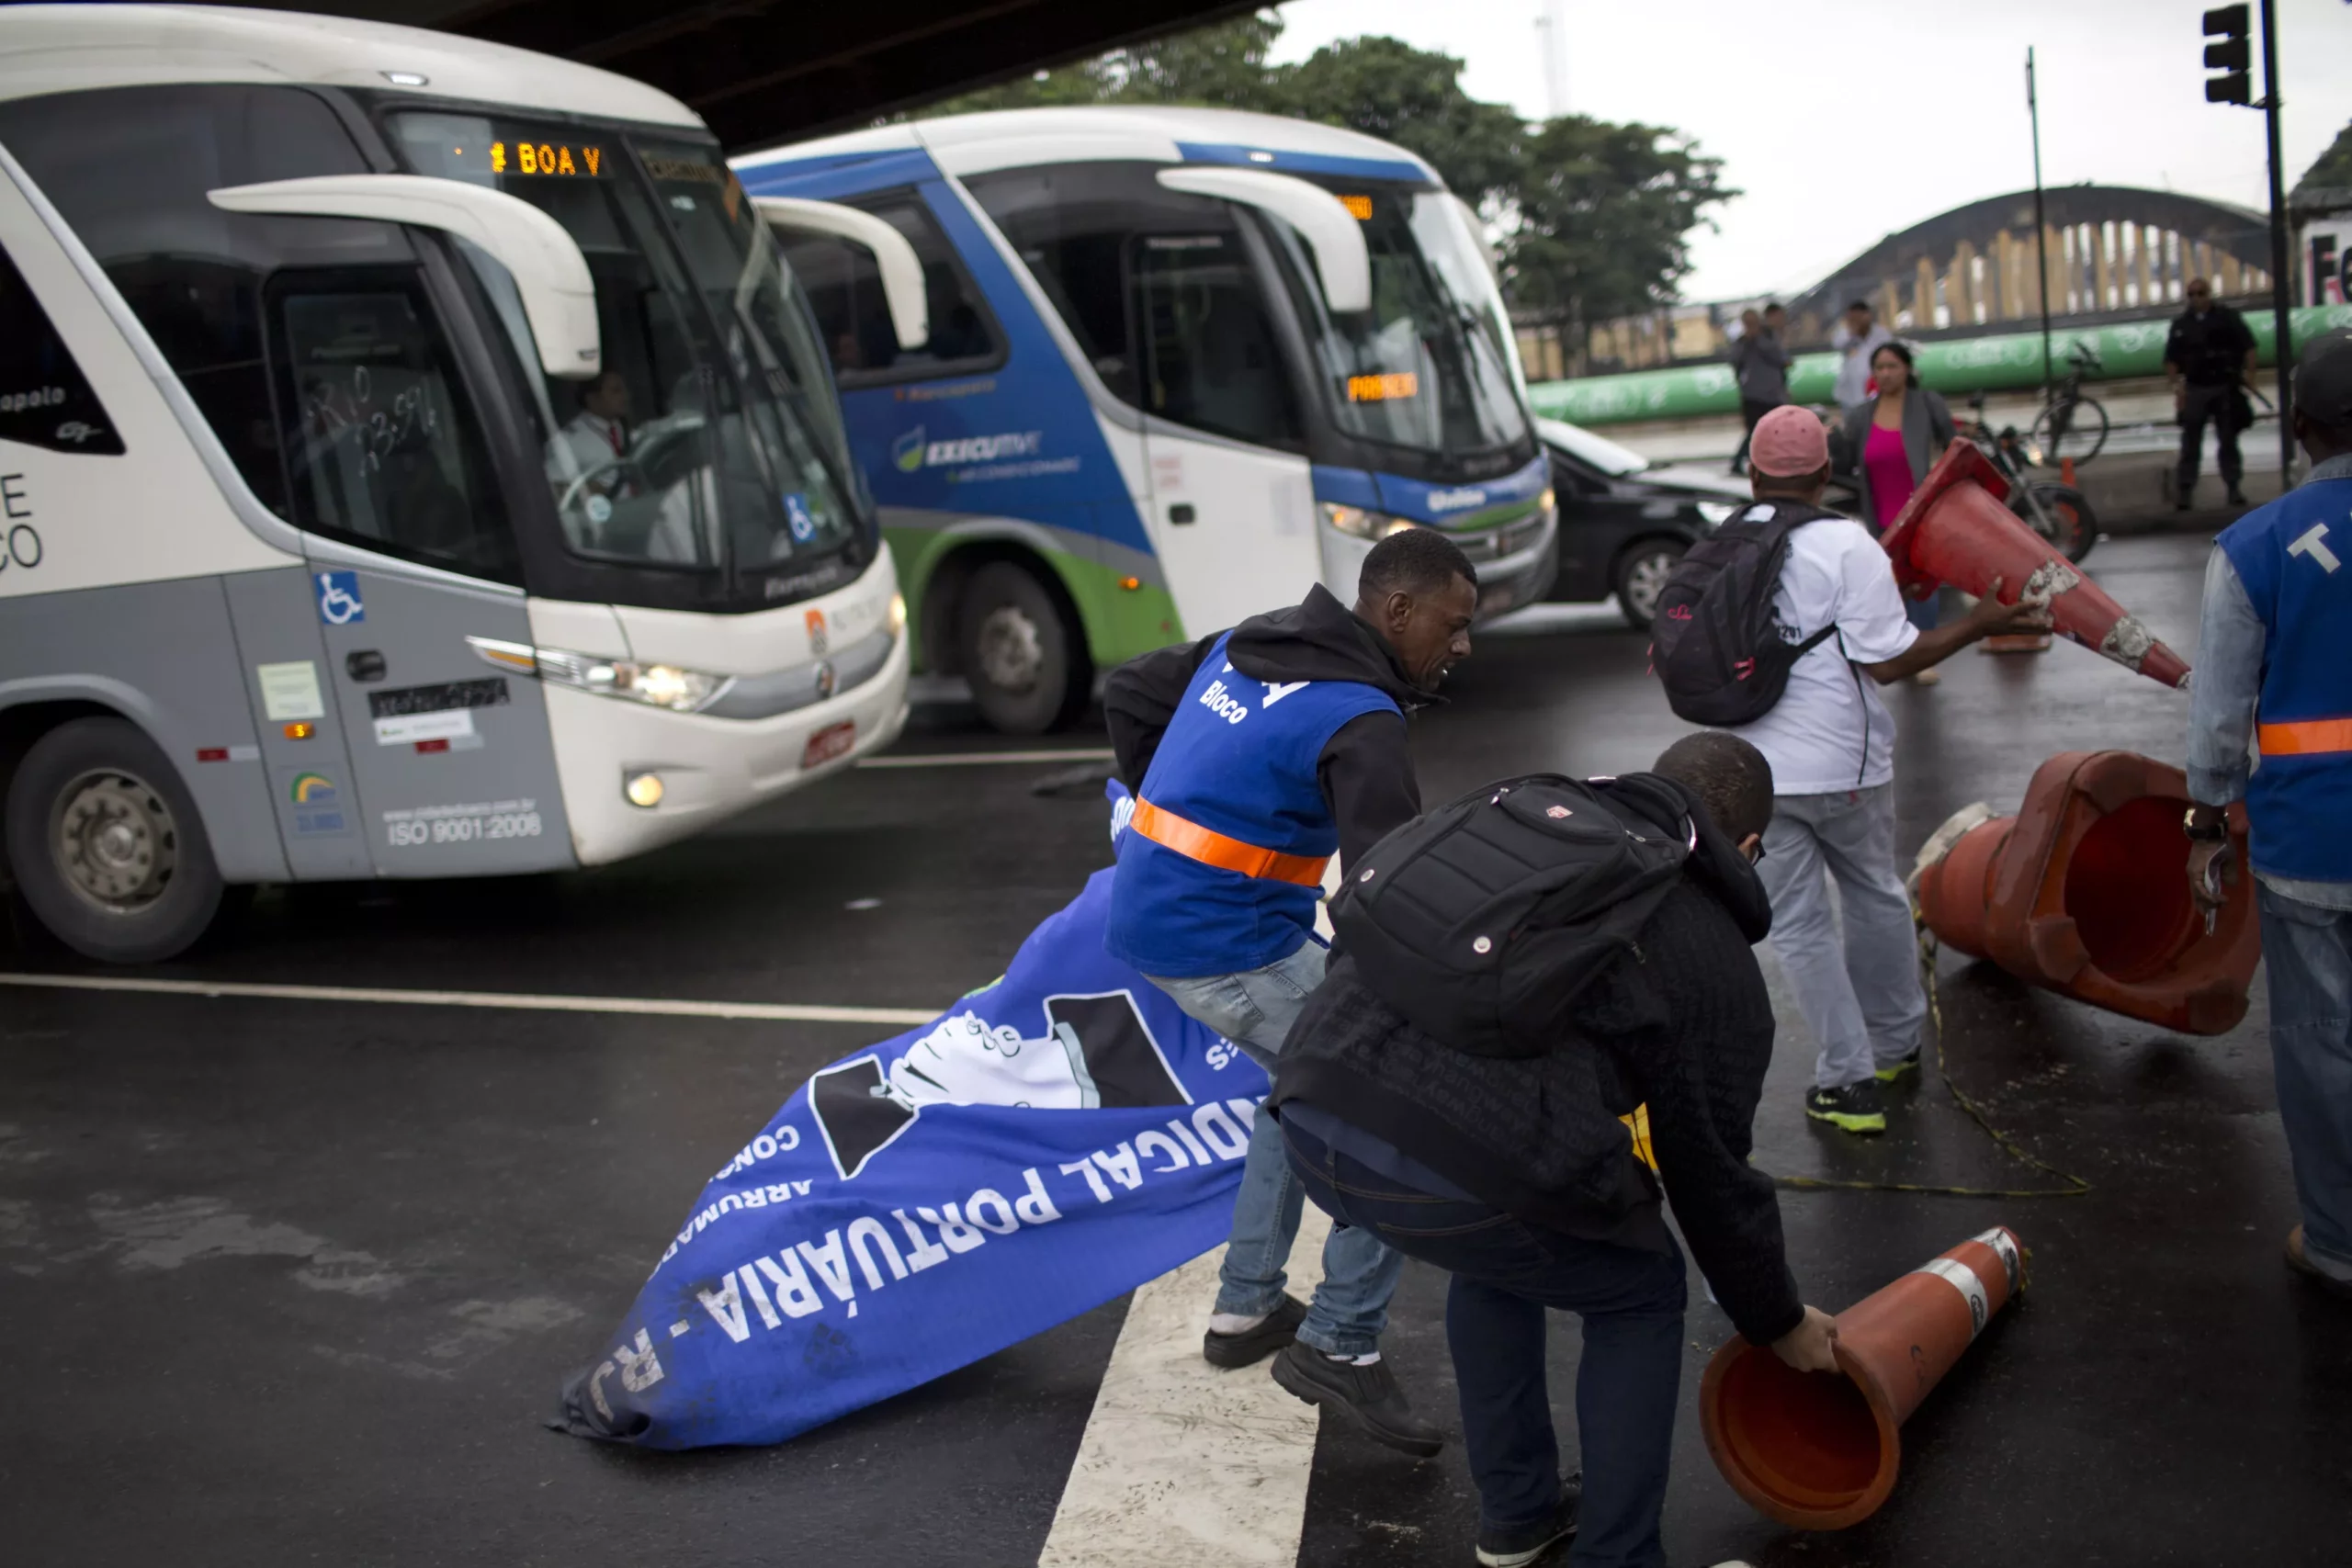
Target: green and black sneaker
[1854,1108]
[1895,1069]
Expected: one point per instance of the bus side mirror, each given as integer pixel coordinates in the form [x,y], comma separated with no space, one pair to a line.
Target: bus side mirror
[551,276]
[901,269]
[1341,261]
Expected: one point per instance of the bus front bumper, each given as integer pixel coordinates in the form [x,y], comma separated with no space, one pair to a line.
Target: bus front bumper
[710,768]
[1521,578]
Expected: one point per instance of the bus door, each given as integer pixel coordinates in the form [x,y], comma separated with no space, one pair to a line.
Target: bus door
[412,568]
[1232,502]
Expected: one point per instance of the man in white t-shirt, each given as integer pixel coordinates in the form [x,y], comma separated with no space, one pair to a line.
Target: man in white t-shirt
[1831,744]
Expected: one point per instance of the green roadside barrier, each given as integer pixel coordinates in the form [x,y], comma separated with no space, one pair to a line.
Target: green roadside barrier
[2000,363]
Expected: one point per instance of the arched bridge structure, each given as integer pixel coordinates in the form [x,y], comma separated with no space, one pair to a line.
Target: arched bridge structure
[2111,250]
[2115,252]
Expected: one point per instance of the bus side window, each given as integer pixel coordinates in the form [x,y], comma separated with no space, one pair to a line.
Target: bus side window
[1211,358]
[45,400]
[379,442]
[845,291]
[129,168]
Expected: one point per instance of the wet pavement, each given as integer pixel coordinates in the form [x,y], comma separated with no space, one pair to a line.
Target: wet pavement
[293,1282]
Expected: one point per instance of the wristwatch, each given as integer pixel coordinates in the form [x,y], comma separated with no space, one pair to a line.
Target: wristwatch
[2214,834]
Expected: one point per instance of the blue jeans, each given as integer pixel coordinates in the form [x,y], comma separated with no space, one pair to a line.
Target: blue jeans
[1858,987]
[2309,952]
[1255,1009]
[1506,1273]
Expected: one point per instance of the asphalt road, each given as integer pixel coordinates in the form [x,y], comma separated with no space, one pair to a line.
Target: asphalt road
[291,1281]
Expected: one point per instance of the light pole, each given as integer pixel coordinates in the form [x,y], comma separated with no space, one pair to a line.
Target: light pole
[1553,23]
[2281,325]
[2230,24]
[2041,224]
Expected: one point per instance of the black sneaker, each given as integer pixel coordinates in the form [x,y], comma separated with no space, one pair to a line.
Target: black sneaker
[1252,1346]
[2237,496]
[1524,1544]
[1855,1108]
[1367,1396]
[2184,503]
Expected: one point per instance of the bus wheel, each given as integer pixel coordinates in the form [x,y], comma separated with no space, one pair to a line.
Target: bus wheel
[1020,652]
[107,846]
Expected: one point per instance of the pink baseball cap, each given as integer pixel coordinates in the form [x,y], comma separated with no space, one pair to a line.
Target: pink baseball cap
[1789,442]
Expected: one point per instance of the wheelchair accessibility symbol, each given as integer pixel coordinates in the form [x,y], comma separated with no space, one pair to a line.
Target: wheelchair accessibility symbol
[339,602]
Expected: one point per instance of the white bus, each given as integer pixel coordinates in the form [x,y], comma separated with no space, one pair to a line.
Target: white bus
[416,461]
[1182,364]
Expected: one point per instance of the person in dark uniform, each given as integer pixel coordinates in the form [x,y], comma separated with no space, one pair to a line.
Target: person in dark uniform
[2208,356]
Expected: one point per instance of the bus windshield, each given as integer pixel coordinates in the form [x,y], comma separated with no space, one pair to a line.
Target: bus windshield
[711,439]
[1432,364]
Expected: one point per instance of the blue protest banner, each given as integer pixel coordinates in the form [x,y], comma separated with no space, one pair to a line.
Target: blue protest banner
[1051,1141]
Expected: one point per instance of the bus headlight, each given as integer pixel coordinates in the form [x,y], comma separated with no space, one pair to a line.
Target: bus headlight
[897,613]
[1358,523]
[1713,514]
[656,685]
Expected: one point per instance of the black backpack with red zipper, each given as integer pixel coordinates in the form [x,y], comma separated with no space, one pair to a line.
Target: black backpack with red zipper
[1718,643]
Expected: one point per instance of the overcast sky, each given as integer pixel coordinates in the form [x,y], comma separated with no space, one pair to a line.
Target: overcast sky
[1845,120]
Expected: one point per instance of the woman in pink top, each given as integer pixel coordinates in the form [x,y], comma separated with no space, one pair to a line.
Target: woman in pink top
[1892,442]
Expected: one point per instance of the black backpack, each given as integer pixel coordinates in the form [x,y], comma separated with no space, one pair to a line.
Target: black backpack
[1481,922]
[1715,641]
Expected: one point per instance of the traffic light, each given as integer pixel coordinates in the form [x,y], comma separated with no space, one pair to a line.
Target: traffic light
[2230,24]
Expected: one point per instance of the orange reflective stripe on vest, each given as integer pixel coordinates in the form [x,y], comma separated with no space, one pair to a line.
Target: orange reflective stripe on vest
[1212,848]
[2304,736]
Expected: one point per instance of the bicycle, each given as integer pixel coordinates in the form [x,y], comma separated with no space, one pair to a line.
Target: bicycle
[2059,512]
[2070,424]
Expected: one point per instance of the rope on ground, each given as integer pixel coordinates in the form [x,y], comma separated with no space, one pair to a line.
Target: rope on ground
[2075,1186]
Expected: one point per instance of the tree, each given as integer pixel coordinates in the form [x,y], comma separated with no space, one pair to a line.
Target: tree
[1222,66]
[2331,170]
[1594,217]
[1413,98]
[1603,218]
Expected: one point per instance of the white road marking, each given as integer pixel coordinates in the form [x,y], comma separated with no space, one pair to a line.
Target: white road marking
[784,1012]
[984,759]
[1183,1463]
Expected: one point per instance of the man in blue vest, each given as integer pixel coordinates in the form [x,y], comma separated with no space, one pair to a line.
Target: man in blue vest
[1254,755]
[2275,658]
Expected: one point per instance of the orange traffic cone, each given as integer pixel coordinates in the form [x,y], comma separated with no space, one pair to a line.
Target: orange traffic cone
[1821,1452]
[2085,892]
[1954,529]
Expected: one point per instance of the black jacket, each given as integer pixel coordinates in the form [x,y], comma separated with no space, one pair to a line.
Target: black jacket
[1681,1024]
[2209,350]
[1365,769]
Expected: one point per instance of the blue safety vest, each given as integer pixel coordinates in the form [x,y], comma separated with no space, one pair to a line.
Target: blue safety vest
[2295,557]
[1222,865]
